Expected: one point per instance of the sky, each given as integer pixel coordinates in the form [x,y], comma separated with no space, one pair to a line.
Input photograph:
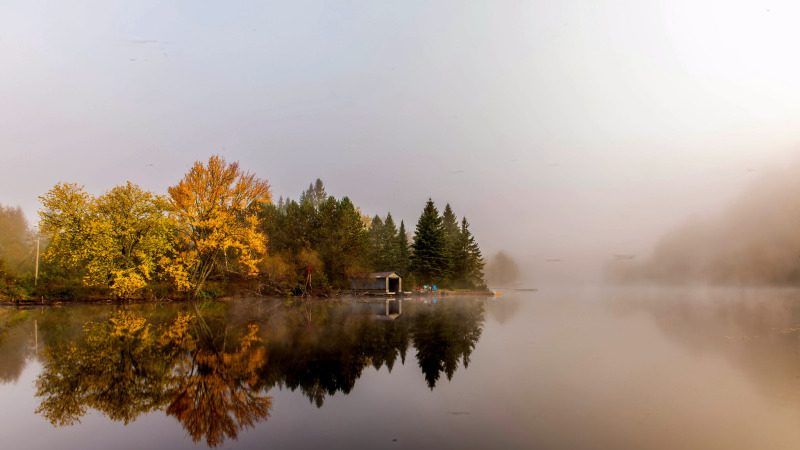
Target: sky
[567,132]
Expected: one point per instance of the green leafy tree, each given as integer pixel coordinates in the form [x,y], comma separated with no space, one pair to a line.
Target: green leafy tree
[429,258]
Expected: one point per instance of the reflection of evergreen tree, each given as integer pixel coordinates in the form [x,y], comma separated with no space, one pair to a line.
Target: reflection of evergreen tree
[444,335]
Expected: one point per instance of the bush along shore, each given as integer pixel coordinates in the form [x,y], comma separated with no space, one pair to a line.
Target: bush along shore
[218,233]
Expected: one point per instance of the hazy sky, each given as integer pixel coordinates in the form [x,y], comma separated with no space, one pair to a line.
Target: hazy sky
[568,130]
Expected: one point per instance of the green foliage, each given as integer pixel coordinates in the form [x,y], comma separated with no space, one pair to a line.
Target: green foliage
[429,258]
[403,253]
[451,242]
[386,252]
[315,244]
[466,264]
[444,252]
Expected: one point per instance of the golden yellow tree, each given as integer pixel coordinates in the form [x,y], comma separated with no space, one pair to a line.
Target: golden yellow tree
[215,208]
[116,240]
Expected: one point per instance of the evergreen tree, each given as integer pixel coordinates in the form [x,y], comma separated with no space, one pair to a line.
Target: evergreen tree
[315,194]
[391,257]
[429,260]
[451,239]
[376,243]
[467,269]
[403,257]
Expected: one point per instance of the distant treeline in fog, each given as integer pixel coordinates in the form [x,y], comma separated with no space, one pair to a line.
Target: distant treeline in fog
[217,232]
[755,241]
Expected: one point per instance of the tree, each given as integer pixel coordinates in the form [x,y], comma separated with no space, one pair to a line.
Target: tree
[15,242]
[323,240]
[117,241]
[376,246]
[467,263]
[502,270]
[451,239]
[342,241]
[65,220]
[315,194]
[131,237]
[384,250]
[391,252]
[429,259]
[403,254]
[215,208]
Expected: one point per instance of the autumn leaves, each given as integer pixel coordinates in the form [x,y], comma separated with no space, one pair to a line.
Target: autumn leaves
[129,238]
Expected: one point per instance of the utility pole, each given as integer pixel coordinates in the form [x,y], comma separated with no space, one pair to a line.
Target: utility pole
[36,269]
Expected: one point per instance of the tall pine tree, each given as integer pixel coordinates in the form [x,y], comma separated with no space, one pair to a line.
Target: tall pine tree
[391,257]
[429,259]
[403,255]
[467,269]
[451,237]
[376,243]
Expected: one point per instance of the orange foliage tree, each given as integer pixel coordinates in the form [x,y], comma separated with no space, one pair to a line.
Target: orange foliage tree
[215,208]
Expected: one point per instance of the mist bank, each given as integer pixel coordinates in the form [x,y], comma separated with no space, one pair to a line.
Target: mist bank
[755,241]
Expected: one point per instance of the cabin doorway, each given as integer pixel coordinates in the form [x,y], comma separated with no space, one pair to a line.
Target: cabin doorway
[394,285]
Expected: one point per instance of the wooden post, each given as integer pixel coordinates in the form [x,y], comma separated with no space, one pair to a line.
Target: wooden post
[36,269]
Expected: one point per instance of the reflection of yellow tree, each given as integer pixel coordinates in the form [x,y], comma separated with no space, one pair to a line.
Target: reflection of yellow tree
[119,368]
[124,367]
[218,394]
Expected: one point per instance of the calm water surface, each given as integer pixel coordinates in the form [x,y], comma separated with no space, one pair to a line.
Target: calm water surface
[593,368]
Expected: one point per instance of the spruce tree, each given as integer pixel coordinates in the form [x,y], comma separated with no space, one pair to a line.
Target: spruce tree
[468,270]
[451,237]
[376,243]
[390,256]
[402,250]
[428,260]
[315,194]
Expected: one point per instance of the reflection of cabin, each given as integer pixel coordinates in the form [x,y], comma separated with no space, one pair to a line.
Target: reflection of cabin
[387,310]
[378,283]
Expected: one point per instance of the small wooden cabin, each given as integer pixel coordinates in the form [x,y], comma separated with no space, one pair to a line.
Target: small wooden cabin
[378,283]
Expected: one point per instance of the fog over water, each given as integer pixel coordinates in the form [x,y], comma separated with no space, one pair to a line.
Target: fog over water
[753,241]
[567,132]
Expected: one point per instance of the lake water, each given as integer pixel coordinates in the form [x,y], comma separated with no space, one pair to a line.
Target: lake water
[593,368]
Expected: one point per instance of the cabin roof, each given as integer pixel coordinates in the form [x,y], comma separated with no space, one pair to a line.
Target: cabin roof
[375,275]
[381,274]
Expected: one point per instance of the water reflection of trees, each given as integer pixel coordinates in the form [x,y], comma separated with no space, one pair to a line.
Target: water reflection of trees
[755,330]
[125,366]
[212,368]
[14,344]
